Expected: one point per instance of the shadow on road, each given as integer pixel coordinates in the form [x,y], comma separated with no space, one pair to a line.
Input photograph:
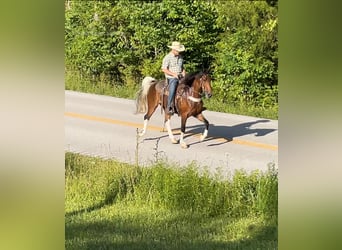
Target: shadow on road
[229,132]
[226,133]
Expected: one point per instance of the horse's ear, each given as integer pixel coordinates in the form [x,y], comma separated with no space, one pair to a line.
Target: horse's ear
[205,72]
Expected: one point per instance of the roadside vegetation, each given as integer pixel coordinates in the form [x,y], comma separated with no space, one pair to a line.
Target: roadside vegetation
[102,86]
[112,205]
[111,45]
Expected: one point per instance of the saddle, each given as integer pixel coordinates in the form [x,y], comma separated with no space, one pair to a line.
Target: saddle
[163,88]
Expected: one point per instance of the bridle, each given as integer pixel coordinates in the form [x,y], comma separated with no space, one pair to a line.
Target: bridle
[202,81]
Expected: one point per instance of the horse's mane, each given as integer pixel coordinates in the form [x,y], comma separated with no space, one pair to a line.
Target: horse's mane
[190,77]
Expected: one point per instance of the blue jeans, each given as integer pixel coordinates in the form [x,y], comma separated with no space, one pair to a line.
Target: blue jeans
[173,82]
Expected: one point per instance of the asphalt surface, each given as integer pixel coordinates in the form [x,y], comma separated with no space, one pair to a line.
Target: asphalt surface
[107,127]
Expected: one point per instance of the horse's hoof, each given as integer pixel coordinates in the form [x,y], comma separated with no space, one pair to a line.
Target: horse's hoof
[204,135]
[174,141]
[184,145]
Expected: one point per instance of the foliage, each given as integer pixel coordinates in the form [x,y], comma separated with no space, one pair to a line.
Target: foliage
[128,38]
[246,60]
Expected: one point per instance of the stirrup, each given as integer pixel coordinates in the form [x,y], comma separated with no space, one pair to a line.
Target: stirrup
[170,110]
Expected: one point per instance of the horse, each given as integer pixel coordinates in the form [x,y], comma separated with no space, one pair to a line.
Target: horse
[188,101]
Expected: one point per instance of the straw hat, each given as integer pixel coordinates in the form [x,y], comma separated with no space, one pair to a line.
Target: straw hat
[177,46]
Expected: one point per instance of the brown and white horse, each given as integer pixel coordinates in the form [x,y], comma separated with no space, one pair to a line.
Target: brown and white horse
[188,101]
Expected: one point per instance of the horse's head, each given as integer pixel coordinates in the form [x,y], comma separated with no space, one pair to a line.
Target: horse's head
[205,82]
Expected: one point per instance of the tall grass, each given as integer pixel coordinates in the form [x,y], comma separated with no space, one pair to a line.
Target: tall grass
[186,188]
[173,187]
[240,211]
[214,104]
[104,86]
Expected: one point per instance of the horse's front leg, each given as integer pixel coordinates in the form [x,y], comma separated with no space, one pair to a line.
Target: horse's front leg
[181,140]
[168,127]
[206,123]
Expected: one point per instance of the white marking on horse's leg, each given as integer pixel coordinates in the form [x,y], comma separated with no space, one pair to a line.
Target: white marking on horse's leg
[144,129]
[182,142]
[204,135]
[169,131]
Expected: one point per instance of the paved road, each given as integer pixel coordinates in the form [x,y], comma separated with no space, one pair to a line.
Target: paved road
[106,126]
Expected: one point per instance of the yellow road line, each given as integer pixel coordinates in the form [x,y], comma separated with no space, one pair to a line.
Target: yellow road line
[112,121]
[155,128]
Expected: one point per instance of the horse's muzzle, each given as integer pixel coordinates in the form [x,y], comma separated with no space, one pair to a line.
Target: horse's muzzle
[208,95]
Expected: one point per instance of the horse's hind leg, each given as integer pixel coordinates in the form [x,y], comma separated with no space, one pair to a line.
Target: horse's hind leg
[205,121]
[143,131]
[151,107]
[168,127]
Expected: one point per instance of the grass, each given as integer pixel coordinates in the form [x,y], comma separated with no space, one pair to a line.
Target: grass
[241,109]
[112,205]
[74,81]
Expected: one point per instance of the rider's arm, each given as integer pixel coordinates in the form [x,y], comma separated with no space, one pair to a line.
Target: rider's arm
[168,72]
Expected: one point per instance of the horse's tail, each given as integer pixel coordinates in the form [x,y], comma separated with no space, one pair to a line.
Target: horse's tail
[141,95]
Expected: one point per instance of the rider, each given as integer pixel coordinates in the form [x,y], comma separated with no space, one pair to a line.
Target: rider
[174,70]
